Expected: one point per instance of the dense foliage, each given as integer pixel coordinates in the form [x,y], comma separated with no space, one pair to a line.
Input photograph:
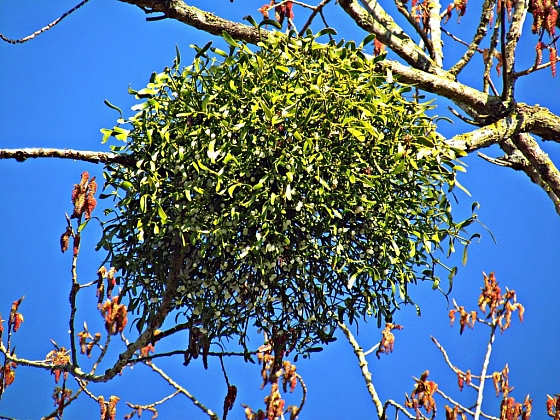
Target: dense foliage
[286,189]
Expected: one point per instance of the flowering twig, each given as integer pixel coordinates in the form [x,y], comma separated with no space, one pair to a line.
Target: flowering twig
[398,408]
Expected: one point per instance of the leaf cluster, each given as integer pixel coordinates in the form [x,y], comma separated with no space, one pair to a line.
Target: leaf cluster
[286,189]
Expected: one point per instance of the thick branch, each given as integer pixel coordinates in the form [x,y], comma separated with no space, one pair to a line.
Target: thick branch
[435,32]
[375,20]
[524,118]
[516,160]
[200,19]
[540,121]
[514,33]
[539,160]
[86,156]
[462,94]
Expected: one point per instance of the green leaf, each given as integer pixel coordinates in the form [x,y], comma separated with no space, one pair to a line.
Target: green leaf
[352,280]
[326,31]
[357,133]
[212,154]
[201,51]
[268,112]
[126,185]
[143,203]
[270,22]
[231,189]
[177,56]
[116,108]
[251,20]
[458,184]
[227,37]
[367,40]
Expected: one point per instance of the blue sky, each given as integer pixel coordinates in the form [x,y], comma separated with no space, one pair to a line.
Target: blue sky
[53,89]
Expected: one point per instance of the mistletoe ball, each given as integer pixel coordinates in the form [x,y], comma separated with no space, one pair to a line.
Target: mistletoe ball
[284,189]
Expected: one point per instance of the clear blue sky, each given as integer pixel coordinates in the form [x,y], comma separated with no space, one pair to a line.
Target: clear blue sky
[52,95]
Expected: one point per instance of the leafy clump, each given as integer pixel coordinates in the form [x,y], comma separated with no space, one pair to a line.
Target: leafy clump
[285,189]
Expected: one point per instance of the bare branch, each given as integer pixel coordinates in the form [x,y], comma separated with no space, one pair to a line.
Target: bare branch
[451,365]
[487,135]
[535,68]
[402,8]
[486,362]
[152,407]
[376,20]
[539,160]
[536,120]
[316,9]
[434,23]
[359,352]
[44,29]
[513,35]
[86,156]
[465,409]
[399,408]
[519,162]
[183,391]
[481,31]
[446,87]
[200,19]
[489,58]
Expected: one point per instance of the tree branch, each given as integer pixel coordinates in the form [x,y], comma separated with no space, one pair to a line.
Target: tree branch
[402,8]
[524,118]
[513,35]
[481,102]
[44,29]
[481,31]
[434,23]
[480,395]
[539,160]
[516,160]
[183,391]
[200,19]
[86,156]
[359,352]
[375,20]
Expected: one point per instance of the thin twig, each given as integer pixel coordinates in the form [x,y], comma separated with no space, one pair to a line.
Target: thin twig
[534,68]
[480,396]
[487,10]
[398,407]
[316,9]
[304,394]
[366,353]
[44,29]
[359,352]
[507,87]
[75,287]
[183,391]
[401,7]
[465,409]
[151,407]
